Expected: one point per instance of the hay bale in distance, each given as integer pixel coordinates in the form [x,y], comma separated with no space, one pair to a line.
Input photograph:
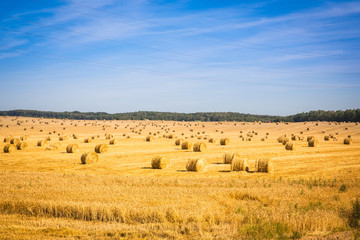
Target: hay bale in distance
[15,141]
[114,141]
[186,145]
[326,138]
[88,140]
[160,162]
[281,139]
[348,141]
[63,138]
[290,146]
[212,140]
[72,148]
[8,139]
[199,147]
[196,165]
[264,165]
[309,138]
[101,148]
[9,148]
[224,141]
[89,157]
[21,145]
[179,141]
[238,164]
[109,136]
[313,143]
[149,138]
[41,143]
[229,157]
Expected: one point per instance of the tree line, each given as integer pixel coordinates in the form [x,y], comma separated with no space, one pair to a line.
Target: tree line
[352,115]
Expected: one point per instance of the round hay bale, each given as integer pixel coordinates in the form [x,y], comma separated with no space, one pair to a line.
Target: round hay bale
[281,139]
[309,138]
[199,147]
[75,136]
[238,164]
[224,141]
[212,140]
[313,143]
[89,157]
[48,138]
[295,138]
[24,138]
[63,138]
[186,145]
[348,141]
[290,146]
[101,148]
[72,148]
[114,141]
[179,141]
[196,165]
[229,157]
[109,136]
[160,162]
[8,139]
[285,141]
[9,148]
[41,143]
[149,138]
[88,140]
[326,138]
[15,141]
[264,165]
[21,145]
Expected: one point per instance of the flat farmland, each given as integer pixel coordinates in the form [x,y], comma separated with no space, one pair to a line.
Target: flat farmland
[47,193]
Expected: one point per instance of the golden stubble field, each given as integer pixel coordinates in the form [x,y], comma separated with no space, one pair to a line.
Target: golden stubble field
[46,193]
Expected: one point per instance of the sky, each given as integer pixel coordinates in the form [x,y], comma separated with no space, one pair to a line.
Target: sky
[274,57]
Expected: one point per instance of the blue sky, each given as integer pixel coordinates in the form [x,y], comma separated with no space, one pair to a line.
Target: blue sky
[271,57]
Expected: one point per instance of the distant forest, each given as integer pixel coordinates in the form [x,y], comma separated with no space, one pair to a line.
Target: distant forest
[339,116]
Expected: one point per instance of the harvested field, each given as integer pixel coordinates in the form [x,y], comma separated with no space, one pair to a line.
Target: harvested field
[51,194]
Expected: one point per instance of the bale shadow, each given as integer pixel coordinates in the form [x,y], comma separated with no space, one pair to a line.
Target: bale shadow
[181,171]
[146,168]
[224,171]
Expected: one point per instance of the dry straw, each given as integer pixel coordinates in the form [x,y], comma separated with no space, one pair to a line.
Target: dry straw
[72,148]
[238,164]
[89,157]
[199,147]
[264,165]
[290,146]
[224,141]
[101,148]
[9,148]
[186,145]
[313,143]
[196,165]
[21,145]
[179,141]
[348,141]
[160,162]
